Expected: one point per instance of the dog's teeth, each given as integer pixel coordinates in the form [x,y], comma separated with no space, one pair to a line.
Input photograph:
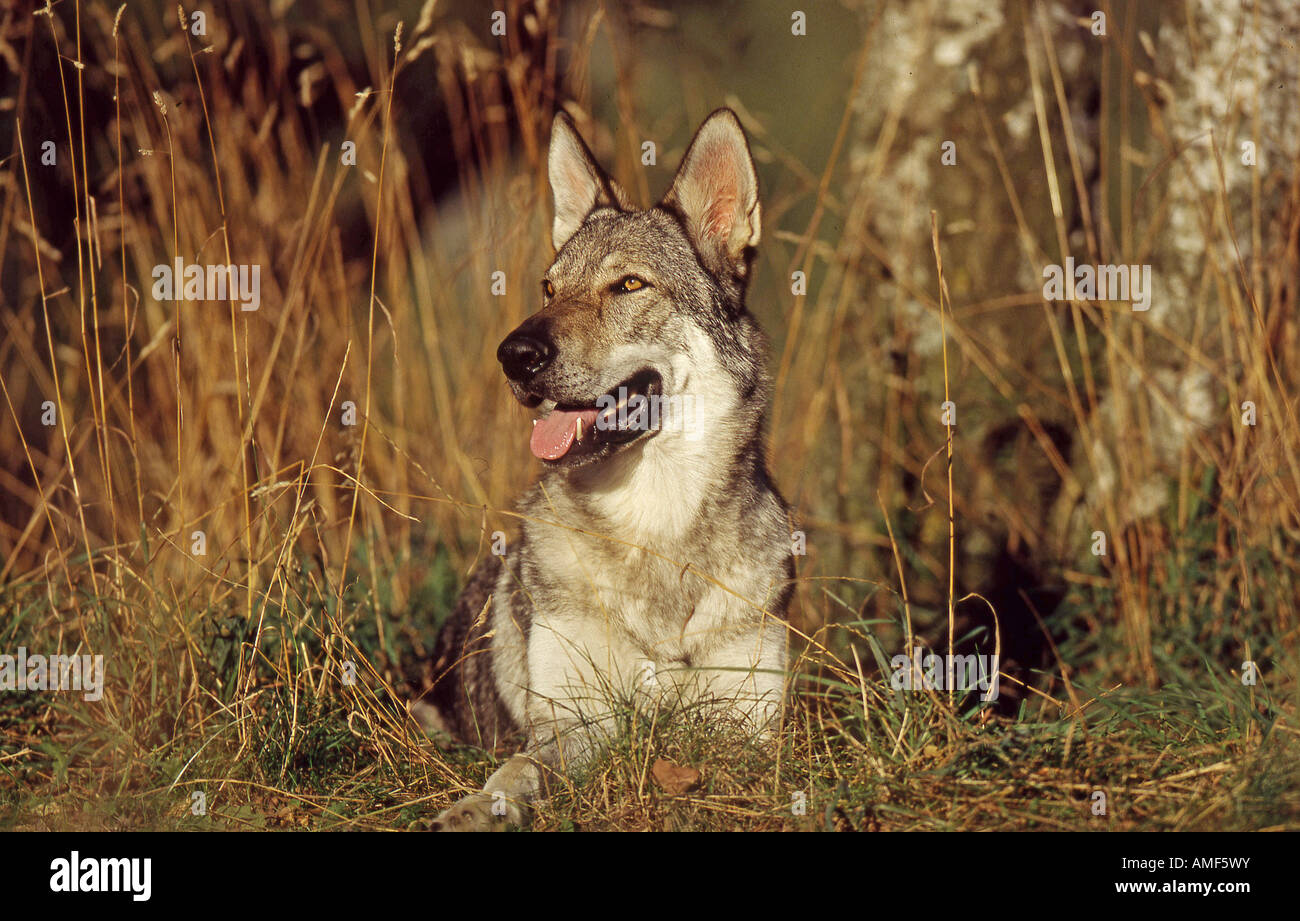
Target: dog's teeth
[579,438]
[535,421]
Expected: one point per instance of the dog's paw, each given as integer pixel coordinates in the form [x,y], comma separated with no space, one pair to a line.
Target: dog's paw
[473,813]
[480,812]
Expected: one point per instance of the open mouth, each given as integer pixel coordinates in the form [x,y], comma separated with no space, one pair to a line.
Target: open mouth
[617,417]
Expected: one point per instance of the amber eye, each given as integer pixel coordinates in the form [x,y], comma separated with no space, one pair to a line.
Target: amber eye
[630,283]
[547,288]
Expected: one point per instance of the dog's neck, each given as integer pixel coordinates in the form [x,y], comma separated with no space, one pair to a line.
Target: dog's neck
[655,493]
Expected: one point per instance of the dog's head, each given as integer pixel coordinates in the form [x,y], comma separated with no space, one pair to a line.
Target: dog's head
[643,327]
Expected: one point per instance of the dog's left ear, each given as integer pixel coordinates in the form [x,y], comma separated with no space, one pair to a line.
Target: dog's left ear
[578,183]
[716,191]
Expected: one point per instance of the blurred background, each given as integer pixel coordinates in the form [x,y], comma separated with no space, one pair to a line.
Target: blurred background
[1013,133]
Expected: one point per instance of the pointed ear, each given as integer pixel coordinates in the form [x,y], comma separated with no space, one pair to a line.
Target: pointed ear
[578,184]
[716,191]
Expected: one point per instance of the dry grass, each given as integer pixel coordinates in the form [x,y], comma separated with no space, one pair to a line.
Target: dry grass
[332,547]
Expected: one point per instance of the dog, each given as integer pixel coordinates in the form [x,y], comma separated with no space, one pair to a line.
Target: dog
[655,559]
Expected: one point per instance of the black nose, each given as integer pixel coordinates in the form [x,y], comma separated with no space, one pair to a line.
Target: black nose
[523,355]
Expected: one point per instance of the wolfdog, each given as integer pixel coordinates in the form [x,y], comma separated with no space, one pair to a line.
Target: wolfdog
[655,554]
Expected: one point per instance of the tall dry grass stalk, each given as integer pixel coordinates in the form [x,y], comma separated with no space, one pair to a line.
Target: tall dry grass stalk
[176,417]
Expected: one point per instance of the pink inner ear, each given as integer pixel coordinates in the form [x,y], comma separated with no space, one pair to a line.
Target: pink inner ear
[721,216]
[577,183]
[719,188]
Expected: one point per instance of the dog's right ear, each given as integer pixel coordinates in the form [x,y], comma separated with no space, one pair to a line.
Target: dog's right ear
[578,184]
[716,193]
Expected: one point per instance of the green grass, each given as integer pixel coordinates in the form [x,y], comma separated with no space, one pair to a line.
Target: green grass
[1203,751]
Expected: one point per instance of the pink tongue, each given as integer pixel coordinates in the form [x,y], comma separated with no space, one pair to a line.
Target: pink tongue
[555,435]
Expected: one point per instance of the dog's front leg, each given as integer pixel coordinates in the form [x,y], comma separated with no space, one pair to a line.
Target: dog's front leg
[507,795]
[504,799]
[572,673]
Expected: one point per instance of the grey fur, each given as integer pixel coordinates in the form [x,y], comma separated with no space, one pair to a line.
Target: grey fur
[660,565]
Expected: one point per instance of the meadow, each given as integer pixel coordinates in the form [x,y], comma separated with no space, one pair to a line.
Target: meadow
[259,517]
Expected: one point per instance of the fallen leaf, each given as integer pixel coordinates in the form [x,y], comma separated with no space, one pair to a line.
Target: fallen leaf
[674,778]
